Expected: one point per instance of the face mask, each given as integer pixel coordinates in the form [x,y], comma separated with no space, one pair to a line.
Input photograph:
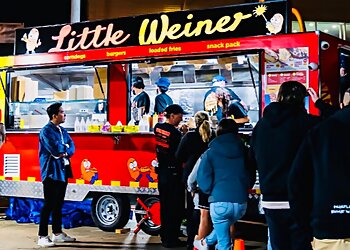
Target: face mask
[133,92]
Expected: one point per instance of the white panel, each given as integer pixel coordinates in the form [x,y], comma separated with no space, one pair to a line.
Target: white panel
[11,165]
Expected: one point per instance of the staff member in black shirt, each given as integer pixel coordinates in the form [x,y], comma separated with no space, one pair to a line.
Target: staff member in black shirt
[141,100]
[170,186]
[162,100]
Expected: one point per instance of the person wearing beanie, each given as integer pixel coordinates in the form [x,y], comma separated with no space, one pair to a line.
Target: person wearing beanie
[162,100]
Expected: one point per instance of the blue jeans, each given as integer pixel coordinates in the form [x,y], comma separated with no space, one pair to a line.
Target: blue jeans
[223,215]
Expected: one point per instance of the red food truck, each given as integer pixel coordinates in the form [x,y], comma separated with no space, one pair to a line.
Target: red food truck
[88,66]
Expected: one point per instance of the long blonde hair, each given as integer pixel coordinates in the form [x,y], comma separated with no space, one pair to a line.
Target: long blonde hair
[201,119]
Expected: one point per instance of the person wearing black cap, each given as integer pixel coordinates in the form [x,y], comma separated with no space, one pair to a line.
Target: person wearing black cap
[238,113]
[141,100]
[170,186]
[162,100]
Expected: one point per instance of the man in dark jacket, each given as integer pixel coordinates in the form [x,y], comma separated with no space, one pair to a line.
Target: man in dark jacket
[318,182]
[275,141]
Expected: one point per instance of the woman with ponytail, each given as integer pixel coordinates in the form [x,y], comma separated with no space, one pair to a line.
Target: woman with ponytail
[193,144]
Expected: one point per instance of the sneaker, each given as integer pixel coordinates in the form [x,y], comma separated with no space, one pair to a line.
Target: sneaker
[45,241]
[62,237]
[200,244]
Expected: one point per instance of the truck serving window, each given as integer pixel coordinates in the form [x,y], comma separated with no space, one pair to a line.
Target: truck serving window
[81,89]
[192,80]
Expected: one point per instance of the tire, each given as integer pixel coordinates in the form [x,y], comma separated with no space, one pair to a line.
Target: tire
[110,211]
[148,226]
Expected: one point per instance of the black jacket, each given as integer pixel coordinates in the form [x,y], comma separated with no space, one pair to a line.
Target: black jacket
[319,179]
[274,144]
[190,149]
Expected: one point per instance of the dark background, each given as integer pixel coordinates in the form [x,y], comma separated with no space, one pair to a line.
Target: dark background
[35,13]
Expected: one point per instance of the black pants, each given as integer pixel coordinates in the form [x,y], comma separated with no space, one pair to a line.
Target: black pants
[172,206]
[54,192]
[285,234]
[192,227]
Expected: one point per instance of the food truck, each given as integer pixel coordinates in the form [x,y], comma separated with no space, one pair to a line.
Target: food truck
[88,66]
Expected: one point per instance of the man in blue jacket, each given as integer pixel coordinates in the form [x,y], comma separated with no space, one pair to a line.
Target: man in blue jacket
[55,149]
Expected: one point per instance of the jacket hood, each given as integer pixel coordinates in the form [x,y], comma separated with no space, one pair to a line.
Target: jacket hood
[226,145]
[277,113]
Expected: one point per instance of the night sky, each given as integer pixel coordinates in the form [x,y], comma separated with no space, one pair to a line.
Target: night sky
[35,12]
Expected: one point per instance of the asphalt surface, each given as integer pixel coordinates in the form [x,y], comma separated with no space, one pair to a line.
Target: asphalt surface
[15,235]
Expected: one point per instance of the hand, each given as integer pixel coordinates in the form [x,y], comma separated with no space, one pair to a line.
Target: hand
[184,128]
[314,96]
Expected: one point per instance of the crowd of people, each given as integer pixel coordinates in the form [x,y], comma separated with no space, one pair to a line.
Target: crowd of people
[301,159]
[301,163]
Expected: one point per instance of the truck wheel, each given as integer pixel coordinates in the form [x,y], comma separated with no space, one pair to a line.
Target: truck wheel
[110,211]
[150,226]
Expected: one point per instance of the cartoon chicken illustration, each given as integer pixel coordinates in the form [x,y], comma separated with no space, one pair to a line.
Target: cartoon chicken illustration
[32,40]
[137,172]
[88,173]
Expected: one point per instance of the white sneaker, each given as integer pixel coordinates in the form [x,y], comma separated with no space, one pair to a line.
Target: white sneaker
[62,237]
[200,244]
[45,241]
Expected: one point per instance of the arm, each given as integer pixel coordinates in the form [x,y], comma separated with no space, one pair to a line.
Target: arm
[182,152]
[191,181]
[326,109]
[156,105]
[205,174]
[52,143]
[300,184]
[70,149]
[250,164]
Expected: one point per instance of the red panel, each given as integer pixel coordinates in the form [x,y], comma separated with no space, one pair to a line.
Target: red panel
[117,94]
[109,157]
[329,68]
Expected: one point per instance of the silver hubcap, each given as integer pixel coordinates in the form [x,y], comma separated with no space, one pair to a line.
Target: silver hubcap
[107,209]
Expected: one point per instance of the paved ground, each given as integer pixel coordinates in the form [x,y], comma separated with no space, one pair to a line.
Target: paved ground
[15,235]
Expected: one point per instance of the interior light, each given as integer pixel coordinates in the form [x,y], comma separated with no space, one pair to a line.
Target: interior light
[325,30]
[294,31]
[240,59]
[311,24]
[334,26]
